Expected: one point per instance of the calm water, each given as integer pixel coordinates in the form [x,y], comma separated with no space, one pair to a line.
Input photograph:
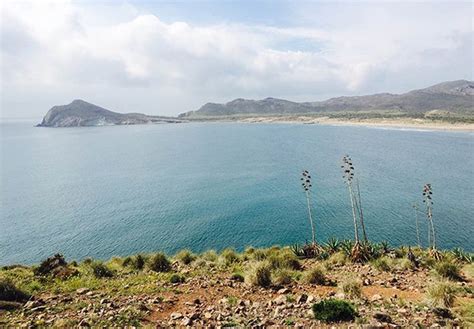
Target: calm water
[121,190]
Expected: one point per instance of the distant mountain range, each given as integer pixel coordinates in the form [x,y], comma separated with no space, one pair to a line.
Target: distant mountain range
[453,96]
[82,114]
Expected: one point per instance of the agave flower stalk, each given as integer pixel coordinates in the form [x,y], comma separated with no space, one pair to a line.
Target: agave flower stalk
[415,207]
[348,176]
[306,183]
[428,201]
[361,214]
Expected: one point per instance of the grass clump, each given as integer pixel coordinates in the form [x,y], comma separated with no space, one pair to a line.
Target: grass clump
[316,275]
[442,293]
[176,278]
[334,310]
[229,256]
[159,263]
[100,270]
[448,270]
[337,259]
[282,276]
[237,276]
[383,264]
[185,256]
[9,292]
[351,287]
[210,255]
[284,260]
[259,275]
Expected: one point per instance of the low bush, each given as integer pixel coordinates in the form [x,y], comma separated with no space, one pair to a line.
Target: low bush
[176,278]
[185,256]
[315,275]
[351,287]
[282,276]
[337,259]
[259,274]
[210,255]
[383,263]
[9,292]
[448,270]
[159,263]
[334,310]
[229,256]
[49,265]
[441,294]
[100,270]
[284,260]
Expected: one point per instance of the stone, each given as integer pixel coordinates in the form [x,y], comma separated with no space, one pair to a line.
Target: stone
[84,323]
[175,316]
[82,291]
[302,298]
[375,298]
[280,300]
[383,317]
[186,321]
[283,291]
[208,315]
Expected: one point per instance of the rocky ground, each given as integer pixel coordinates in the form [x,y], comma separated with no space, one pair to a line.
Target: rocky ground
[213,296]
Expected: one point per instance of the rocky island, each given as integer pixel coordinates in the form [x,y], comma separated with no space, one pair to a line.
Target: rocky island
[83,114]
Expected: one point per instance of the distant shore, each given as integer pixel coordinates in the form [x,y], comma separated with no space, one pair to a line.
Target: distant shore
[405,123]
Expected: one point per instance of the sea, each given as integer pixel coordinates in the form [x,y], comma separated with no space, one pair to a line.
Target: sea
[120,190]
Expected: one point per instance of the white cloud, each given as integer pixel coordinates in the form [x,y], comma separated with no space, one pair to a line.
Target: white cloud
[133,61]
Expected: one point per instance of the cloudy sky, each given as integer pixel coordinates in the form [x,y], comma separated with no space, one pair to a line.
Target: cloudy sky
[167,57]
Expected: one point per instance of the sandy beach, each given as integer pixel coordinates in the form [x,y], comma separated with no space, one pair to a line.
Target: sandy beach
[406,123]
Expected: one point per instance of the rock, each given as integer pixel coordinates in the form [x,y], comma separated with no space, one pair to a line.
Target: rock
[280,300]
[382,317]
[38,308]
[208,315]
[82,291]
[375,298]
[367,282]
[340,295]
[186,321]
[104,301]
[310,299]
[84,323]
[175,316]
[197,301]
[302,298]
[283,291]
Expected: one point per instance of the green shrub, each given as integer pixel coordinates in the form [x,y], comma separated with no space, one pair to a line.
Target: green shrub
[209,255]
[337,259]
[282,276]
[49,265]
[448,270]
[9,292]
[100,270]
[159,263]
[315,275]
[284,260]
[383,263]
[88,261]
[334,310]
[176,278]
[351,287]
[259,274]
[138,262]
[229,256]
[442,294]
[185,256]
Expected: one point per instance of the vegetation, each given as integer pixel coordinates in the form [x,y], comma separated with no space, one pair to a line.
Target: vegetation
[315,275]
[9,292]
[100,270]
[334,310]
[185,256]
[448,270]
[442,293]
[160,263]
[351,287]
[259,274]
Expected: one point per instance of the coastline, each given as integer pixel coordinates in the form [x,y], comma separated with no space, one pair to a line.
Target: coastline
[408,123]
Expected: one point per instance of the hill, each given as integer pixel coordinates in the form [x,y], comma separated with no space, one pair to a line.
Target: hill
[455,97]
[80,114]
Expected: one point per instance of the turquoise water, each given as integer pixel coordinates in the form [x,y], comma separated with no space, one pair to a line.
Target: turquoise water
[121,190]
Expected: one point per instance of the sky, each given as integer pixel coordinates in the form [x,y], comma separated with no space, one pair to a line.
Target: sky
[168,57]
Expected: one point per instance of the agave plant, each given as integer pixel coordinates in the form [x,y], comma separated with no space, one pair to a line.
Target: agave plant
[297,250]
[462,256]
[347,246]
[332,245]
[306,183]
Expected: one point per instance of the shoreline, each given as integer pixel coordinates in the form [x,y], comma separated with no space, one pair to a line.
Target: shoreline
[418,124]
